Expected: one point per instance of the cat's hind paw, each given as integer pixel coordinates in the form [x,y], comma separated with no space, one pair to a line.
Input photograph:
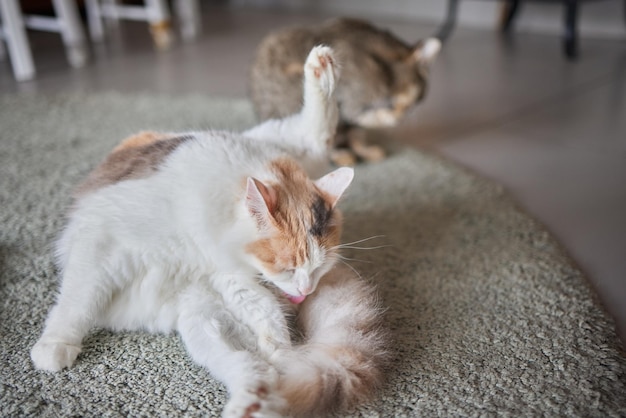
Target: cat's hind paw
[322,70]
[53,356]
[258,403]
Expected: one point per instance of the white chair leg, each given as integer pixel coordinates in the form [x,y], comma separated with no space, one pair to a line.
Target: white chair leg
[94,20]
[17,42]
[160,26]
[113,14]
[71,31]
[2,49]
[155,12]
[188,14]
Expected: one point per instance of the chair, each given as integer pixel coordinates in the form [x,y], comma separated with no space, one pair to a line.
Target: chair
[13,32]
[155,12]
[570,34]
[67,23]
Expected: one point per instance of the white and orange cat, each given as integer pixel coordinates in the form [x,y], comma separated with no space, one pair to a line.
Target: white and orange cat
[225,239]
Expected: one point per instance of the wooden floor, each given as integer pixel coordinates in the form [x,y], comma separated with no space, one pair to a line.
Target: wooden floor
[553,132]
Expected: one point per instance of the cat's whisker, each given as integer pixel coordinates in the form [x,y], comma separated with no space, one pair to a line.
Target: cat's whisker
[350,245]
[351,268]
[363,240]
[353,259]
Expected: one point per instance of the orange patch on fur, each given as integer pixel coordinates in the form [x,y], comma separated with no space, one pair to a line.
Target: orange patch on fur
[280,252]
[302,212]
[294,69]
[306,397]
[136,157]
[325,391]
[404,100]
[287,248]
[140,139]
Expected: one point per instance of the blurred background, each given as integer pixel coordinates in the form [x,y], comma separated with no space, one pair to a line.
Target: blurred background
[539,108]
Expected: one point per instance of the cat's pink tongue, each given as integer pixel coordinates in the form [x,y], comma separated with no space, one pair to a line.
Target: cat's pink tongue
[296,299]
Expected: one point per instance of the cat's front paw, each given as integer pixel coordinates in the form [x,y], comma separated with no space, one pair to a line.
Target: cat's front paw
[272,337]
[53,356]
[268,345]
[321,69]
[259,401]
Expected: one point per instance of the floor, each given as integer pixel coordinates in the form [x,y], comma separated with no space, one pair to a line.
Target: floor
[552,131]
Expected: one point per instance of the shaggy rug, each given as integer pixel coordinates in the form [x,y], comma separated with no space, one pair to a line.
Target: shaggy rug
[488,315]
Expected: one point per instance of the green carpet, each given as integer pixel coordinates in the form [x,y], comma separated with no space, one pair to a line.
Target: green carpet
[488,315]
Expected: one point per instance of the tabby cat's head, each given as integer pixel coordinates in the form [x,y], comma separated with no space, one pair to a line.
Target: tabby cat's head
[387,83]
[299,226]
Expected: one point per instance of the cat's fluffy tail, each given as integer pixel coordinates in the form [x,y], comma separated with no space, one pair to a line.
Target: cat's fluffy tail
[340,362]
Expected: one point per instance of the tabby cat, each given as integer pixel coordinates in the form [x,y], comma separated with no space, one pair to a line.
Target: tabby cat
[384,77]
[225,239]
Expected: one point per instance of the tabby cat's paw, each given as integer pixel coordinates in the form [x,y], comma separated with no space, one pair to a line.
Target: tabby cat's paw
[321,69]
[53,356]
[343,157]
[256,402]
[363,150]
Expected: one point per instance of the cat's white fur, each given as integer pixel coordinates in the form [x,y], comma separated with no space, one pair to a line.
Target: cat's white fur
[166,253]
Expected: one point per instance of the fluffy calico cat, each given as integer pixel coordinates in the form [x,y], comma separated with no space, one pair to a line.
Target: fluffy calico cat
[223,238]
[383,78]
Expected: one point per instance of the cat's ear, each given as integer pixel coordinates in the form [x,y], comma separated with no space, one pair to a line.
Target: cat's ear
[426,51]
[261,201]
[335,183]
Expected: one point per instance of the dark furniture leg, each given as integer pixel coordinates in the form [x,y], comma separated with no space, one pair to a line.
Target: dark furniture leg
[571,37]
[510,11]
[448,26]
